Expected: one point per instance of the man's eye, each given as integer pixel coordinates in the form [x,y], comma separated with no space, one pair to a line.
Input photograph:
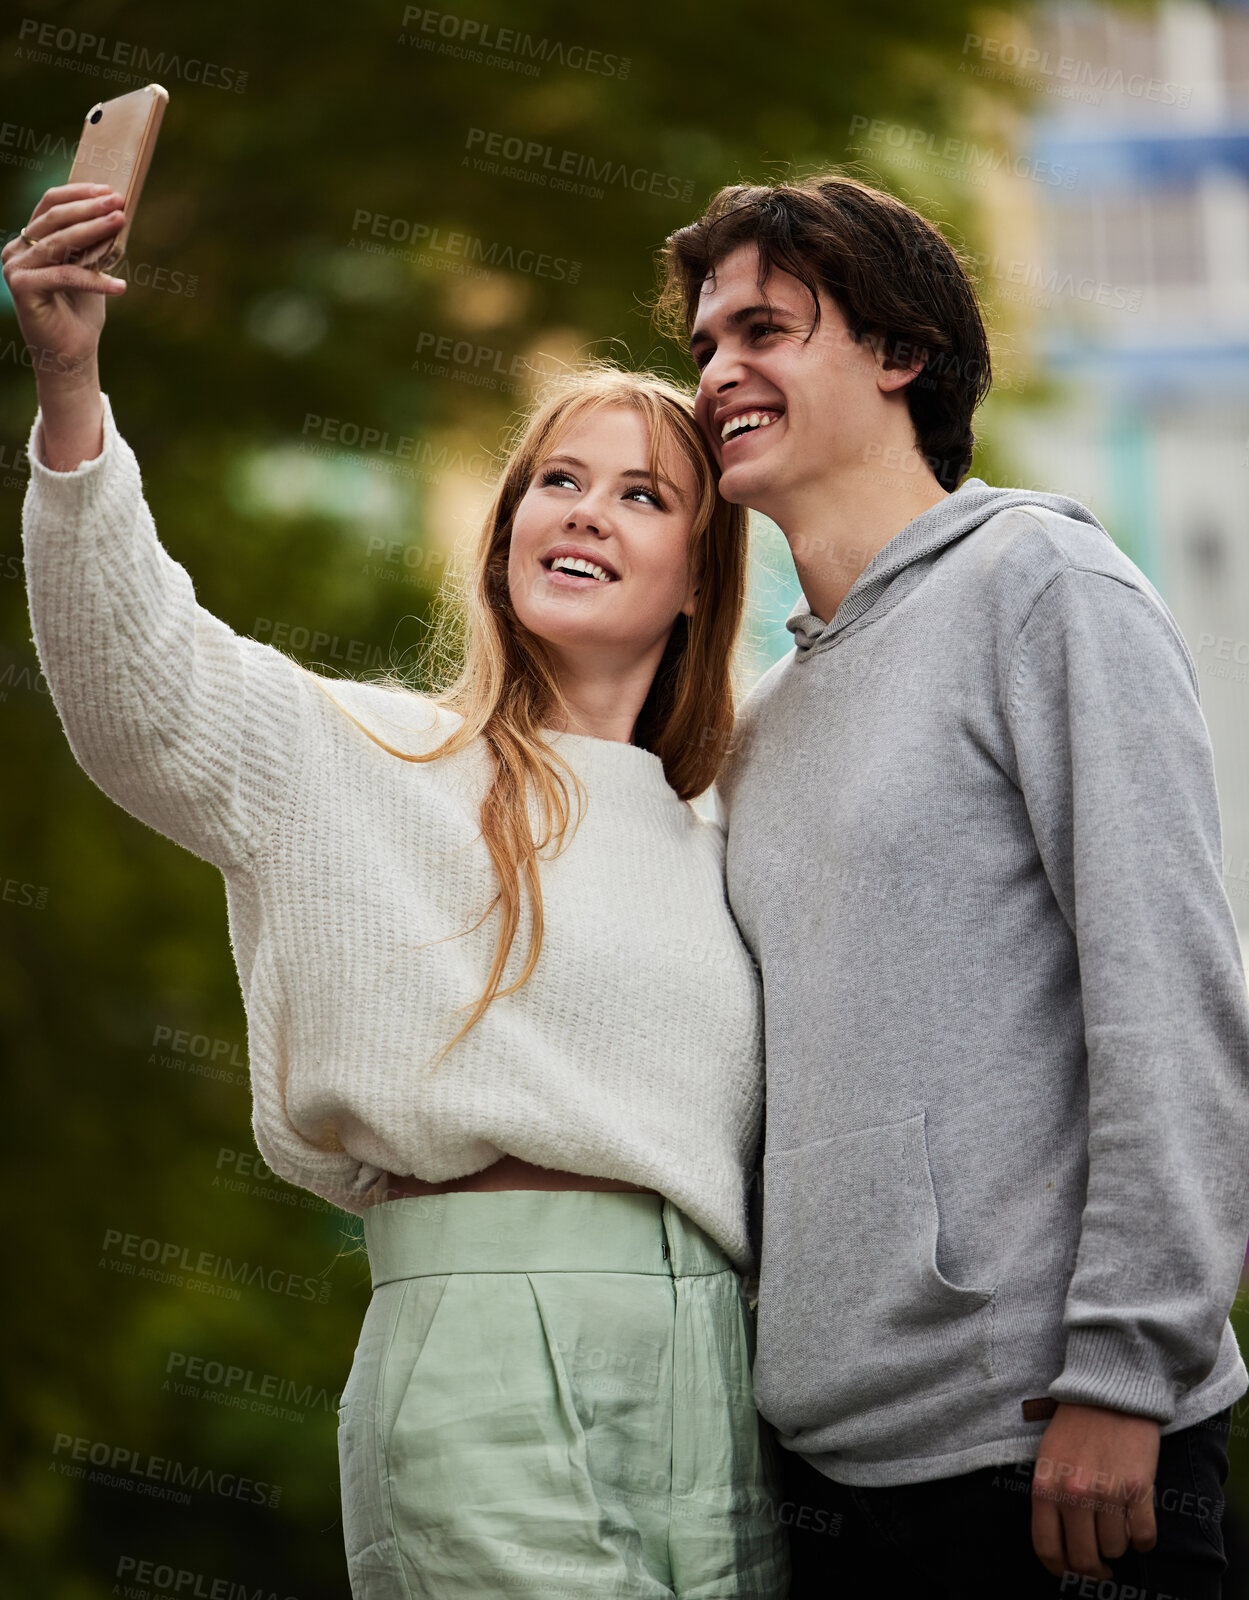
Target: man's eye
[758,328]
[703,356]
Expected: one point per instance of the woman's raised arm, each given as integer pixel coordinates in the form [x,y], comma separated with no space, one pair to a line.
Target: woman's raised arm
[189,726]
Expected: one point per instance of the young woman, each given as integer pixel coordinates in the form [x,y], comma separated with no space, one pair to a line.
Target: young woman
[551,1387]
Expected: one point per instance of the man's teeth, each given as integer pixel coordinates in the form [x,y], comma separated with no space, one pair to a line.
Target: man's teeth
[575,564]
[747,420]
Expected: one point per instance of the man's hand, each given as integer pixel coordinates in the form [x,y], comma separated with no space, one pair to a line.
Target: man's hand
[1093,1489]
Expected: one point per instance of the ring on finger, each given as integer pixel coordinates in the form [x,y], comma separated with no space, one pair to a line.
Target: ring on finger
[22,234]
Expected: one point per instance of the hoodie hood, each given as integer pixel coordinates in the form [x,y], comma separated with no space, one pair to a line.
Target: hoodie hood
[962,512]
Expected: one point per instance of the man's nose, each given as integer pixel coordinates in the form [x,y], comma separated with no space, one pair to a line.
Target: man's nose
[719,377]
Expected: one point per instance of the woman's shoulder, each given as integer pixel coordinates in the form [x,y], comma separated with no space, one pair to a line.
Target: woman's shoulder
[389,710]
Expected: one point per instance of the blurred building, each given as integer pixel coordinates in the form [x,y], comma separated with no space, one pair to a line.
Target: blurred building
[1138,279]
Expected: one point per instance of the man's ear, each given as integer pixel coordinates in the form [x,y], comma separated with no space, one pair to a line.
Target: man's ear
[898,362]
[890,379]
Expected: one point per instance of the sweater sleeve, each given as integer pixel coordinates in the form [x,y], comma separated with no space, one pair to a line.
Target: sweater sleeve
[1117,773]
[189,726]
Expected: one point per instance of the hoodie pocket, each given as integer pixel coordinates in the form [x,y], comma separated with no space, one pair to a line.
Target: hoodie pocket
[854,1312]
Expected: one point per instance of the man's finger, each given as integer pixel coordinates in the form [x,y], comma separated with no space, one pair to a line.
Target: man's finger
[1142,1527]
[1047,1533]
[1080,1536]
[1112,1530]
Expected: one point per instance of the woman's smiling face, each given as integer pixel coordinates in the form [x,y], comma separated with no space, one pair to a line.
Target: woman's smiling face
[592,503]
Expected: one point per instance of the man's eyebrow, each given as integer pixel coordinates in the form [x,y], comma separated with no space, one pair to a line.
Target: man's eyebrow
[631,472]
[736,318]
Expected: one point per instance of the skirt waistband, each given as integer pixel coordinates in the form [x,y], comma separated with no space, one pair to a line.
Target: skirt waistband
[536,1230]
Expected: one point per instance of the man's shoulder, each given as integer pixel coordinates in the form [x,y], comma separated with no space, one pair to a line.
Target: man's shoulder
[752,718]
[1044,570]
[1014,557]
[1030,543]
[761,701]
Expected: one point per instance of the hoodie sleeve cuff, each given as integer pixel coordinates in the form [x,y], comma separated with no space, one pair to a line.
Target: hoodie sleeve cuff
[1107,1367]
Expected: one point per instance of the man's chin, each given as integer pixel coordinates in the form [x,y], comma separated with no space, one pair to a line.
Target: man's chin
[744,485]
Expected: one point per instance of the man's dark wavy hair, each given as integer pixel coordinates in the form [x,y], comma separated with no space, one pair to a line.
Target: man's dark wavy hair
[896,280]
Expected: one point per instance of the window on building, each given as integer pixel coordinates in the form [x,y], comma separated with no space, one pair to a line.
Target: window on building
[1146,239]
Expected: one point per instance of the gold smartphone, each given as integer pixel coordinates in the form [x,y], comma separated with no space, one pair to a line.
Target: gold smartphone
[118,137]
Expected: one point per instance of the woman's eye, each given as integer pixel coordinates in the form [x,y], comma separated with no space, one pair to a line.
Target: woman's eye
[554,476]
[649,494]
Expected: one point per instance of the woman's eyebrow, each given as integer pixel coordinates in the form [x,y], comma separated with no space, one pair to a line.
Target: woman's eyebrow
[644,475]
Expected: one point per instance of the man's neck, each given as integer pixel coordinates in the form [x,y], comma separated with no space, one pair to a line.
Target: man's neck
[833,529]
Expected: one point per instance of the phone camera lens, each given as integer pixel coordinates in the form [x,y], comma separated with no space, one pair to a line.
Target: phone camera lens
[96,115]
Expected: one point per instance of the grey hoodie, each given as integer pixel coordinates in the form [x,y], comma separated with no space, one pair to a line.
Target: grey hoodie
[974,845]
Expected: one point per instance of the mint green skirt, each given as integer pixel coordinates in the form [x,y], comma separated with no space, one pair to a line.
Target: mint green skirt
[551,1397]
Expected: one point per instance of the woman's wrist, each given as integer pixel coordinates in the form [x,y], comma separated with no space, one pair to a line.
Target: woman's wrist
[73,420]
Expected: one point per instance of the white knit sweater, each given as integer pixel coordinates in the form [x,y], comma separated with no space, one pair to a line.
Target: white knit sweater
[633,1052]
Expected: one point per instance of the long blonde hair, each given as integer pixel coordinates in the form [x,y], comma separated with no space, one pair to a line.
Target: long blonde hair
[506,689]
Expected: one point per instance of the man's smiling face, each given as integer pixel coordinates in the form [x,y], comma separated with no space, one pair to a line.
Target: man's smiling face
[810,404]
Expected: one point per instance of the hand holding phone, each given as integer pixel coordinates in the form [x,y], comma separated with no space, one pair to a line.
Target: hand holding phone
[118,137]
[56,268]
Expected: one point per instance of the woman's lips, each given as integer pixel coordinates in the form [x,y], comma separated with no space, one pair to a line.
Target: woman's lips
[576,580]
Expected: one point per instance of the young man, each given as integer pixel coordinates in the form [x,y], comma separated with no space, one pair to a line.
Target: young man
[974,844]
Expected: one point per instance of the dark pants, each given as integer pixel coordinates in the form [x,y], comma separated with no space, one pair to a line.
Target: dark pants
[970,1537]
